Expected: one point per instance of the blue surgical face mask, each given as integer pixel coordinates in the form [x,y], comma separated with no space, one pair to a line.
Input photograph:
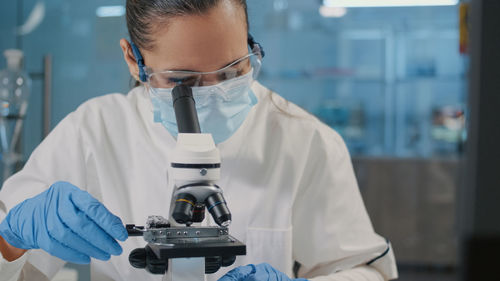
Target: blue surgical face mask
[221,108]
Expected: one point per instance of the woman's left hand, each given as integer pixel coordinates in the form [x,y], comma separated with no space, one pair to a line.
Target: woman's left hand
[260,272]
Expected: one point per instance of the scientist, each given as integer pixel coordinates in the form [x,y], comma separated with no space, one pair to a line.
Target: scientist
[287,177]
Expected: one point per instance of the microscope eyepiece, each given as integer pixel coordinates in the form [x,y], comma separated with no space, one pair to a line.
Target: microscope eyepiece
[185,110]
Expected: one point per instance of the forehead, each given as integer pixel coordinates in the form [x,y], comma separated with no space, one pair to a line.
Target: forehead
[200,42]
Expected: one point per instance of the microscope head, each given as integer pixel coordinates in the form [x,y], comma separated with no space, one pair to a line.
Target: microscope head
[195,167]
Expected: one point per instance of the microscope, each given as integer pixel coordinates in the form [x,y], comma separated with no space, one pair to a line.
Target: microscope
[179,247]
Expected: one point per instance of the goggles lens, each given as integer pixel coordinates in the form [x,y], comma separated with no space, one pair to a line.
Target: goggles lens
[170,79]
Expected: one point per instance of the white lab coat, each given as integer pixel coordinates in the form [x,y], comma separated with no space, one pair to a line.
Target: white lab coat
[287,178]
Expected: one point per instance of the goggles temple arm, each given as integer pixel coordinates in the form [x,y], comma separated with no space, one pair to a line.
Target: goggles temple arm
[140,62]
[252,43]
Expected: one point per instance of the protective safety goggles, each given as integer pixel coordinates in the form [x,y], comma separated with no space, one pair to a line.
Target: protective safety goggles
[171,78]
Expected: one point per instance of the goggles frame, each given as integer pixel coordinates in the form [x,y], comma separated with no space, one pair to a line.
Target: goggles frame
[145,73]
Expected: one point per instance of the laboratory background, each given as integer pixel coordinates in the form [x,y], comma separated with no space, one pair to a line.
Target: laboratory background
[396,78]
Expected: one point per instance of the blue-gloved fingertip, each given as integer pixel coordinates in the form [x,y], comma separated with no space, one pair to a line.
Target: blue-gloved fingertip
[104,258]
[227,278]
[119,251]
[119,232]
[78,259]
[239,273]
[10,237]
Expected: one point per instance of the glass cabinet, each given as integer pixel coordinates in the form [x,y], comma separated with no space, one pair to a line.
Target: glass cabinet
[391,81]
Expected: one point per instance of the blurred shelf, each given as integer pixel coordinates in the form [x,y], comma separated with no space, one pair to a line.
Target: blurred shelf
[302,78]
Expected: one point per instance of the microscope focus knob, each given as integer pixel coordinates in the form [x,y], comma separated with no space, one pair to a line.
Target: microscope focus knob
[137,258]
[144,258]
[228,261]
[212,264]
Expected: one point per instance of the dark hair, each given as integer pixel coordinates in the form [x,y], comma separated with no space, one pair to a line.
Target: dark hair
[141,14]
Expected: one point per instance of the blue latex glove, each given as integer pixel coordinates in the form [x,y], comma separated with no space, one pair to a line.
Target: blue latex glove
[67,223]
[260,272]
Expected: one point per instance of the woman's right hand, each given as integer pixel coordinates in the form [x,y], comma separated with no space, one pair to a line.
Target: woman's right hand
[67,223]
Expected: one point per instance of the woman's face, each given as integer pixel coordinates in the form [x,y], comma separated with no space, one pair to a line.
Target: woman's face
[203,43]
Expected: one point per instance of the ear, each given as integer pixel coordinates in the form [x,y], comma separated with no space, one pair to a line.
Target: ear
[128,55]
